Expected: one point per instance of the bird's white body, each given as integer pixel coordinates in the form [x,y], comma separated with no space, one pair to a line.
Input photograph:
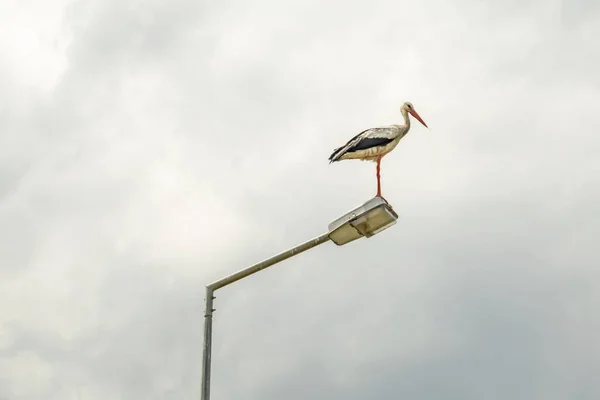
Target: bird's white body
[392,132]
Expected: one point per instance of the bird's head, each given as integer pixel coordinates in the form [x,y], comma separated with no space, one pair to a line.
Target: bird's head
[408,107]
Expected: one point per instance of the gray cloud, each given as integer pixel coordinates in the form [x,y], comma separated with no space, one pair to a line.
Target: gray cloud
[170,144]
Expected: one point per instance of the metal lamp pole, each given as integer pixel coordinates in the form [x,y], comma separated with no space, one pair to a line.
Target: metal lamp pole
[210,289]
[365,221]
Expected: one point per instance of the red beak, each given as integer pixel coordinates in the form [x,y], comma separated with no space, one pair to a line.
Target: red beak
[414,114]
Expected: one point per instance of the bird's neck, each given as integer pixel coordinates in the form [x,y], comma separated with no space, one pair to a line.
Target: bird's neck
[406,119]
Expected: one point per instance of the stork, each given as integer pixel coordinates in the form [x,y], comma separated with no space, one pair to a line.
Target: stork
[374,143]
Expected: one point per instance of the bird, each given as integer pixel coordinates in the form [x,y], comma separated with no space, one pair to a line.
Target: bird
[374,143]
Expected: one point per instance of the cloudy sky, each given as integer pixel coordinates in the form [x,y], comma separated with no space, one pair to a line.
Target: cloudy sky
[148,148]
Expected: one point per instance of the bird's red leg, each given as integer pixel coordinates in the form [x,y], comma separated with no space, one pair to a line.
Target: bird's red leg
[379,179]
[378,176]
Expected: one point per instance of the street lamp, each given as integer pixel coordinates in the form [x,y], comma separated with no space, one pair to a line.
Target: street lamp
[364,221]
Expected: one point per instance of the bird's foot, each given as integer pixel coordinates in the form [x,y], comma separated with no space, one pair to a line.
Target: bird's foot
[383,198]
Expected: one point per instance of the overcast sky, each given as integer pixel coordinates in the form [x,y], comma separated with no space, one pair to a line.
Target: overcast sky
[148,148]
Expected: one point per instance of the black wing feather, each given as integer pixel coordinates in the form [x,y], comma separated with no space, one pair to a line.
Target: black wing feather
[369,143]
[333,156]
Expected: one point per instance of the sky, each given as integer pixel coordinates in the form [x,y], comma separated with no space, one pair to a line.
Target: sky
[148,148]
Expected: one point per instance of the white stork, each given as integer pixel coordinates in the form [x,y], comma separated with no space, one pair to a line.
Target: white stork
[374,143]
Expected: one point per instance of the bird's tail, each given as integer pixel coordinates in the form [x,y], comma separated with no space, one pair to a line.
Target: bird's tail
[335,156]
